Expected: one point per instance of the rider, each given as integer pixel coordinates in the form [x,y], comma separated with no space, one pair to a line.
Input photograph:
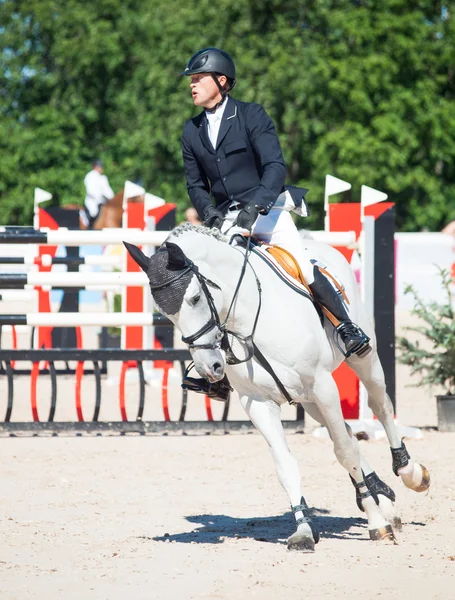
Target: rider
[231,152]
[98,191]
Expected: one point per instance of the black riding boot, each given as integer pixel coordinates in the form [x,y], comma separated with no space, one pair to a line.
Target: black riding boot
[353,338]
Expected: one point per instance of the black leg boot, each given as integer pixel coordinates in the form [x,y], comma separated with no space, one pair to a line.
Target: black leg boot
[353,338]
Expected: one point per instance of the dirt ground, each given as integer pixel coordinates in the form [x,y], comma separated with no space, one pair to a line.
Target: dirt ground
[202,517]
[180,517]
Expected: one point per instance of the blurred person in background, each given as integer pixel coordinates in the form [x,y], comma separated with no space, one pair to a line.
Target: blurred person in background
[97,192]
[191,216]
[231,153]
[449,229]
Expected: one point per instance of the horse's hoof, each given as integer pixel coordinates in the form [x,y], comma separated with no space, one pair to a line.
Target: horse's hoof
[397,525]
[301,543]
[383,533]
[425,483]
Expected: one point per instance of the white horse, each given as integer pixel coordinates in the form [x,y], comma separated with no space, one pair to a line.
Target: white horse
[194,280]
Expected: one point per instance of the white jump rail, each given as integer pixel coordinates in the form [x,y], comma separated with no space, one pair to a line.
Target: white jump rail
[73,279]
[68,319]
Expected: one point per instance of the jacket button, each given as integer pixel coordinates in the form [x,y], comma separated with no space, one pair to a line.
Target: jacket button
[218,160]
[224,178]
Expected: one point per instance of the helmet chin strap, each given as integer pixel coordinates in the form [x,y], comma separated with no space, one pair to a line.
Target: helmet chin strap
[223,93]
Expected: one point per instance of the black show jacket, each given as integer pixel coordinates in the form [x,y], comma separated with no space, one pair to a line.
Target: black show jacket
[246,165]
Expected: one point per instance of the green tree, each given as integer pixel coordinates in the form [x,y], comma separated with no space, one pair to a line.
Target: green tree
[360,89]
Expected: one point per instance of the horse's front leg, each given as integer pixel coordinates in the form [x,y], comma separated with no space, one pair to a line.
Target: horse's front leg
[327,400]
[265,415]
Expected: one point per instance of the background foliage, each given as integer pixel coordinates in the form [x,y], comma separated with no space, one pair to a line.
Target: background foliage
[433,362]
[362,89]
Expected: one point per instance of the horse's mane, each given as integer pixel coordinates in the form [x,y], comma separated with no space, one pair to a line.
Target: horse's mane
[189,227]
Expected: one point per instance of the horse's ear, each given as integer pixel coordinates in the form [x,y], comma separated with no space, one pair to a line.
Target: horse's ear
[176,256]
[137,255]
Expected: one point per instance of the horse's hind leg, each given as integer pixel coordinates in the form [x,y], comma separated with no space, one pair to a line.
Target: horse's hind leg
[383,495]
[265,415]
[370,372]
[327,400]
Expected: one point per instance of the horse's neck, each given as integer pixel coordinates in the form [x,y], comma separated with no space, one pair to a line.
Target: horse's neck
[225,265]
[224,268]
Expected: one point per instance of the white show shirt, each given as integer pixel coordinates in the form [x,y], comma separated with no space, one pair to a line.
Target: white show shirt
[214,122]
[97,190]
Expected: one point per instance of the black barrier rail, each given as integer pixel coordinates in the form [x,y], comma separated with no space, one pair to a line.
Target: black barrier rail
[17,236]
[129,358]
[79,354]
[54,260]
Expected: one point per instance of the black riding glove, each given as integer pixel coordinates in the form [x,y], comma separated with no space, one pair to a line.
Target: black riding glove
[248,215]
[213,217]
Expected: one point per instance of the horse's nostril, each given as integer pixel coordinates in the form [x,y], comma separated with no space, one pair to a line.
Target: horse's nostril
[217,367]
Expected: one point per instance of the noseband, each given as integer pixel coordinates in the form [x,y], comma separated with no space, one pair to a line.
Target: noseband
[221,340]
[214,320]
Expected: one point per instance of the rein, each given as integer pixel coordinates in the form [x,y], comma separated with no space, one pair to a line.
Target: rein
[253,350]
[221,340]
[231,359]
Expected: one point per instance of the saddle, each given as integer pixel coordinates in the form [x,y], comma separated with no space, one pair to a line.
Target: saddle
[292,268]
[285,260]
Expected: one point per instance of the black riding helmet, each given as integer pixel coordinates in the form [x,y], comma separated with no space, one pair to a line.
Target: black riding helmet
[213,61]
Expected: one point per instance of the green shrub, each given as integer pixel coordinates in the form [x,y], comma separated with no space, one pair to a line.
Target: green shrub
[434,366]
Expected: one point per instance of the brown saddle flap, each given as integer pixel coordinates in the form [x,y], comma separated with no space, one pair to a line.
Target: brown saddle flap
[287,262]
[292,268]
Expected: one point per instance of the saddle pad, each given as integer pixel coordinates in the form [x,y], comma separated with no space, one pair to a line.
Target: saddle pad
[286,272]
[289,265]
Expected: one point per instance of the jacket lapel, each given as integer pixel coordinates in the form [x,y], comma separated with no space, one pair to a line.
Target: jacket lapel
[229,115]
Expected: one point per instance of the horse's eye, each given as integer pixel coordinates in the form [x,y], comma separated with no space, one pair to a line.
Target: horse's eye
[195,299]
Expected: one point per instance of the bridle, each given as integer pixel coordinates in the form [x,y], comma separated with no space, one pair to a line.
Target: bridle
[221,340]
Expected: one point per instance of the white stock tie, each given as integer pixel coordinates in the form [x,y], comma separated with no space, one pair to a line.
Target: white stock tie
[214,127]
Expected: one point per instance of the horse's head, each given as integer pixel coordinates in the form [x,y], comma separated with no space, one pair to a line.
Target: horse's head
[190,300]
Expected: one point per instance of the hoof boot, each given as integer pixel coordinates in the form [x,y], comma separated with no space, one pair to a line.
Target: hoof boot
[383,533]
[425,483]
[300,543]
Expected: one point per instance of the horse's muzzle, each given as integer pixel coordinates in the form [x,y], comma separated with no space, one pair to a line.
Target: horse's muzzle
[215,373]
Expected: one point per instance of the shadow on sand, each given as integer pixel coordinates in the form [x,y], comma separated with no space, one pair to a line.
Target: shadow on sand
[213,529]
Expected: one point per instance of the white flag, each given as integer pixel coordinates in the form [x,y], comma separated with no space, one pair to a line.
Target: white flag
[369,196]
[333,185]
[41,195]
[152,201]
[131,190]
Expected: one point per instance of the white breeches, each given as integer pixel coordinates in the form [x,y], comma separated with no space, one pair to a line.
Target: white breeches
[276,228]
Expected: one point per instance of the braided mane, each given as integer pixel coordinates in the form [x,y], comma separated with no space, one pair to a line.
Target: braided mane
[189,227]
